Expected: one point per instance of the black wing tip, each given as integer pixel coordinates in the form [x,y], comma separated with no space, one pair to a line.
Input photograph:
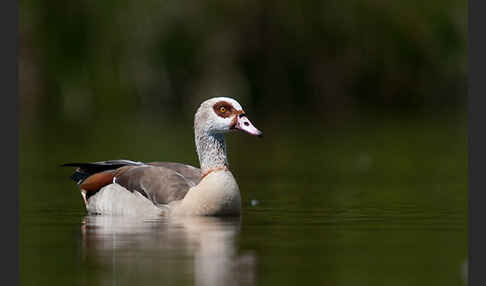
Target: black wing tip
[79,177]
[121,162]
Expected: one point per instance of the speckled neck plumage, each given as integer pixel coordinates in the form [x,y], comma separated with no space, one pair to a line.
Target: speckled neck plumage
[211,150]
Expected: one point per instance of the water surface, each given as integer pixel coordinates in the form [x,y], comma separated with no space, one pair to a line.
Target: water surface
[377,202]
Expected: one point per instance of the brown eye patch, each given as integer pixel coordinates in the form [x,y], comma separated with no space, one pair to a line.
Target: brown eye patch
[224,109]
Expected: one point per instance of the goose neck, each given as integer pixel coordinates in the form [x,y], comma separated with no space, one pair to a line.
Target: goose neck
[211,151]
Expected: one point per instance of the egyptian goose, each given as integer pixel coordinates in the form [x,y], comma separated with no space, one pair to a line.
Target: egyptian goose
[124,187]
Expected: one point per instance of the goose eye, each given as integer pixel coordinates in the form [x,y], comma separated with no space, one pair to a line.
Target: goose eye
[222,109]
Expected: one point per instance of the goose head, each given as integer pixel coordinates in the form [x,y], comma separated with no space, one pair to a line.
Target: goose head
[221,115]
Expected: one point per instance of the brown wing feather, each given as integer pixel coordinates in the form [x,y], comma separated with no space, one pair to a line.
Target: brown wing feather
[161,182]
[158,183]
[190,173]
[97,181]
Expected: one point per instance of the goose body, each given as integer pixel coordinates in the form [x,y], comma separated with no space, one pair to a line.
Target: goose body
[124,187]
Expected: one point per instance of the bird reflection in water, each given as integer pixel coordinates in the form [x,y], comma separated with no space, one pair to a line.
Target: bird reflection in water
[193,250]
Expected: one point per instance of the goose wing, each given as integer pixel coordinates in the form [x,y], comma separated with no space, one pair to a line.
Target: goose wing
[161,182]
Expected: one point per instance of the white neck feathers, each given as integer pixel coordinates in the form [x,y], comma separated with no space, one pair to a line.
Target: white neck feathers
[211,150]
[210,145]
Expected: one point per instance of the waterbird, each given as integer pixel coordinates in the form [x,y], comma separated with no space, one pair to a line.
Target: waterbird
[125,187]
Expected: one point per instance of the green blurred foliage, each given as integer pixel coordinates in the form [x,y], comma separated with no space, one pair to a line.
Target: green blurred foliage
[82,58]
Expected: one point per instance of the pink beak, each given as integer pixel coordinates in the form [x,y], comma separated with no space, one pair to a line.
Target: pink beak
[244,124]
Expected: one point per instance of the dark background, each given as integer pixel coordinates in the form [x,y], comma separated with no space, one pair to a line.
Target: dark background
[82,60]
[361,177]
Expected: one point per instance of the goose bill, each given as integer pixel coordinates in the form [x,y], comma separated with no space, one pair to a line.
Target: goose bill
[244,124]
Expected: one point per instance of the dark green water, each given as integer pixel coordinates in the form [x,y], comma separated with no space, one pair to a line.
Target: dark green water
[381,201]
